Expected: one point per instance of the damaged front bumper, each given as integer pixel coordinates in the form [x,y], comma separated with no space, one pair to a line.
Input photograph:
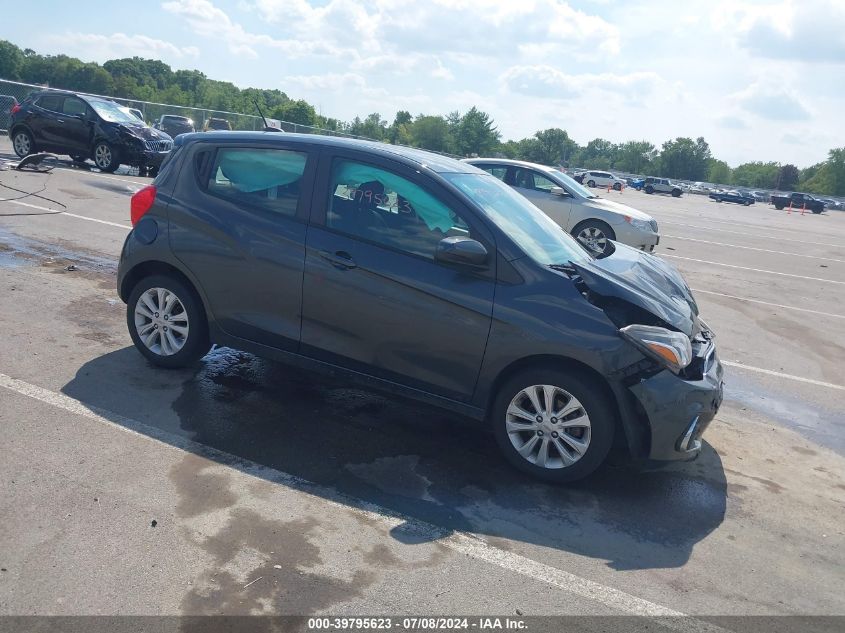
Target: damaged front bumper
[679,408]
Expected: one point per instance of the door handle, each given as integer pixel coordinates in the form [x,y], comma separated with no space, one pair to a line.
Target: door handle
[340,259]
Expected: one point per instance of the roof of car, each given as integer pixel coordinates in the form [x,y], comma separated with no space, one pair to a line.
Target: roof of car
[508,161]
[435,162]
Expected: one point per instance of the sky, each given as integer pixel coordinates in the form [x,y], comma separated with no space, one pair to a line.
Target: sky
[758,80]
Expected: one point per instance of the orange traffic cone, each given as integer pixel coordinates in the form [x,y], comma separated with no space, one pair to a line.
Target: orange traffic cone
[790,208]
[608,189]
[803,208]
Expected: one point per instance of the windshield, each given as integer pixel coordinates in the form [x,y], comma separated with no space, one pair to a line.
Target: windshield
[571,184]
[531,229]
[111,112]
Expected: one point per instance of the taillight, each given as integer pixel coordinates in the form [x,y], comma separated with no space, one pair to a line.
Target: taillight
[141,202]
[15,108]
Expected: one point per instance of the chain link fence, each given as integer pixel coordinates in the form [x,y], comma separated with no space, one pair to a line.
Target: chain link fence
[12,92]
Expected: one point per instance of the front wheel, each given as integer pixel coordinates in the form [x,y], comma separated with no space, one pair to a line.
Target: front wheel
[649,189]
[816,211]
[553,424]
[167,322]
[676,193]
[23,144]
[105,157]
[617,186]
[594,234]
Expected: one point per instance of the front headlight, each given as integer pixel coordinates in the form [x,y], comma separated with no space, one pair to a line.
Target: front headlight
[642,225]
[672,349]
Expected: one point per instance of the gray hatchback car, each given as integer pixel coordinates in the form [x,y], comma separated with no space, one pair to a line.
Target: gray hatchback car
[425,277]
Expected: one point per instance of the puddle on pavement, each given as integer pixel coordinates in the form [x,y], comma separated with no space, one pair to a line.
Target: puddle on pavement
[16,251]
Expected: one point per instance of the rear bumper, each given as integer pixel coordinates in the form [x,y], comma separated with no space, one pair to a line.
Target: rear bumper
[679,410]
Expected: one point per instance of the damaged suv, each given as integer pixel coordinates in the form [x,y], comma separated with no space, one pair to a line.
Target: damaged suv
[422,276]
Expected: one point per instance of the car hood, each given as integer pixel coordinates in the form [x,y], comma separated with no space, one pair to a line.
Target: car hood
[145,132]
[616,207]
[645,281]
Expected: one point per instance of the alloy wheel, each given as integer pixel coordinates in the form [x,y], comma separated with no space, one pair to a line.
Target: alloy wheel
[593,238]
[102,156]
[161,321]
[548,426]
[22,144]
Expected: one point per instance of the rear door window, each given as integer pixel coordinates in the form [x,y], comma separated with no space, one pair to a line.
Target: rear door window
[268,179]
[50,102]
[499,171]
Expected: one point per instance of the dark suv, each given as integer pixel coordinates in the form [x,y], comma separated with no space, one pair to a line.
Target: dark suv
[424,276]
[86,127]
[174,125]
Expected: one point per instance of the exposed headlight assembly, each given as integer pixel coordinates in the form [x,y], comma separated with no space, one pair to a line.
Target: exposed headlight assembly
[671,349]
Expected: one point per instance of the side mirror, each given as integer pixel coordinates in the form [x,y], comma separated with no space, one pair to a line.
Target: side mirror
[461,250]
[558,191]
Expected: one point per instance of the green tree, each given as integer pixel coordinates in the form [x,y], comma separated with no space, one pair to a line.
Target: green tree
[718,172]
[476,133]
[300,112]
[551,147]
[787,178]
[597,154]
[431,132]
[685,158]
[634,157]
[11,61]
[756,174]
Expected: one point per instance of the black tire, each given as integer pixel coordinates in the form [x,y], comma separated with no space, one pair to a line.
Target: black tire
[746,203]
[676,193]
[23,143]
[617,186]
[594,402]
[591,183]
[196,344]
[596,225]
[106,157]
[649,189]
[817,211]
[779,207]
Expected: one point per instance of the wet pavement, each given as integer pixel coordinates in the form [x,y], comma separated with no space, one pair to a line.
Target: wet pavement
[247,465]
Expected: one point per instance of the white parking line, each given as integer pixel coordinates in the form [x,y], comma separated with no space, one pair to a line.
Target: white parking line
[779,238]
[459,542]
[756,270]
[68,213]
[760,370]
[753,248]
[766,303]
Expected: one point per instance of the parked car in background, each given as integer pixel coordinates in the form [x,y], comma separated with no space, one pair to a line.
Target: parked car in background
[635,183]
[134,112]
[86,127]
[455,290]
[7,103]
[602,179]
[732,195]
[216,124]
[799,201]
[661,185]
[174,125]
[592,220]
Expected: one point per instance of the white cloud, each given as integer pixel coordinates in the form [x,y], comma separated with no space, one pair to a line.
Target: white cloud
[770,102]
[103,47]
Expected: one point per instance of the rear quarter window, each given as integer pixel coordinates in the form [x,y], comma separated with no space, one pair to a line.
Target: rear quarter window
[266,179]
[50,102]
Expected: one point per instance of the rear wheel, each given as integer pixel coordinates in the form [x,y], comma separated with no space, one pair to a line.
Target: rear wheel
[105,157]
[166,322]
[591,183]
[816,211]
[553,424]
[594,234]
[22,143]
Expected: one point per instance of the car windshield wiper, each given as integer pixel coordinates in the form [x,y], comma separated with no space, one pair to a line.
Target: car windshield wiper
[567,268]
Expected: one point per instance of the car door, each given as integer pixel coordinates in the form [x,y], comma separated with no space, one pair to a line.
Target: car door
[374,298]
[538,189]
[237,220]
[45,124]
[76,125]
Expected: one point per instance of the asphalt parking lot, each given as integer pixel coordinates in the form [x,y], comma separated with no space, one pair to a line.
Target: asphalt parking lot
[244,487]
